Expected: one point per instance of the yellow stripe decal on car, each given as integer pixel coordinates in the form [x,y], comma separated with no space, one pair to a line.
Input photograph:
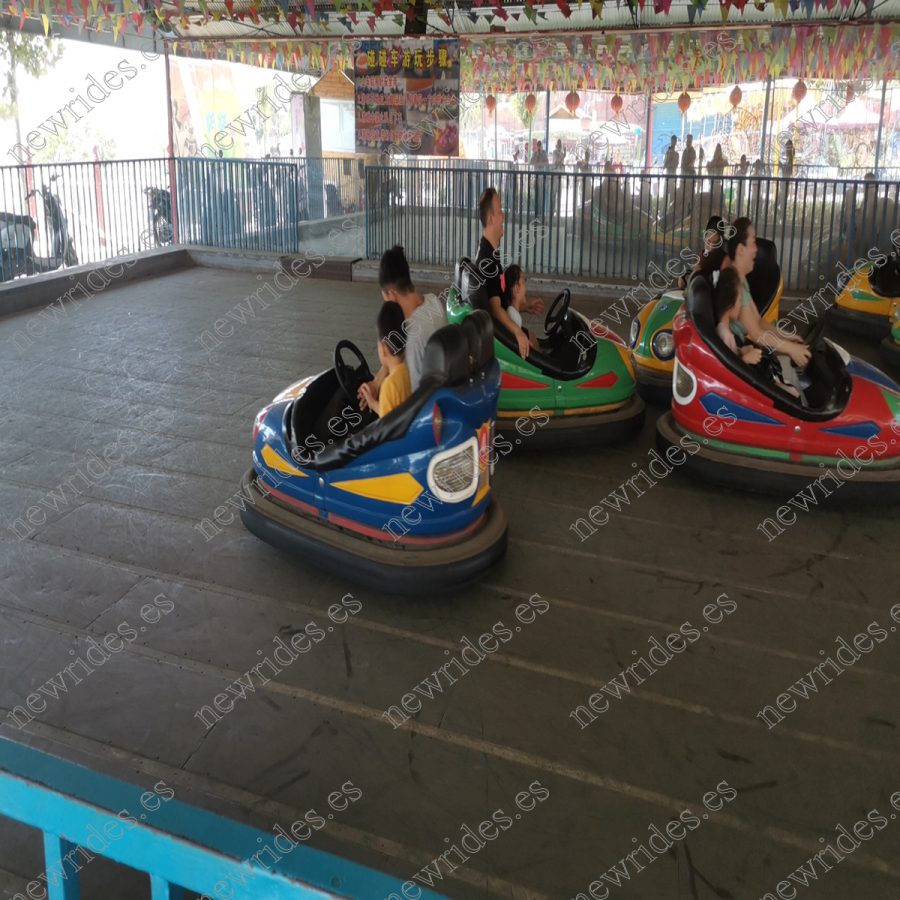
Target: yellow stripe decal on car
[277,462]
[399,488]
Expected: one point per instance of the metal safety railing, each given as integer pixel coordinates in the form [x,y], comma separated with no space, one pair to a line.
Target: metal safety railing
[63,214]
[574,166]
[83,814]
[558,222]
[336,184]
[615,226]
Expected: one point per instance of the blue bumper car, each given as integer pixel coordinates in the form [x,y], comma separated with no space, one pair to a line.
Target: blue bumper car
[402,503]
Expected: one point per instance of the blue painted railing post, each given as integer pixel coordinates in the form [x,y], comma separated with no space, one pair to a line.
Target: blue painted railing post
[160,889]
[366,177]
[65,885]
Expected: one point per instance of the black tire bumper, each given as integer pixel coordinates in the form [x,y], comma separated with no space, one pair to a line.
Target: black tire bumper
[890,351]
[653,386]
[780,477]
[865,325]
[382,565]
[589,429]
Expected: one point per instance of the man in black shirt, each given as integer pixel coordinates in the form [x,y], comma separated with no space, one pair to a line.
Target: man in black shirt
[490,269]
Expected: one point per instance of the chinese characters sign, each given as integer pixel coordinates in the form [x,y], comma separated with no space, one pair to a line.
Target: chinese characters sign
[407,97]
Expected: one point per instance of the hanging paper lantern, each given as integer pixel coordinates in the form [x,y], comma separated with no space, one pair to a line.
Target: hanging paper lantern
[530,104]
[799,92]
[616,104]
[735,97]
[684,103]
[573,101]
[490,104]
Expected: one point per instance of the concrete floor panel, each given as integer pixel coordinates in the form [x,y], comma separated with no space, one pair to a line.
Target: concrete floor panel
[128,366]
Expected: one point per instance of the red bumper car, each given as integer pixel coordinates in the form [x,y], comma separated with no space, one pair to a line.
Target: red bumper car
[735,426]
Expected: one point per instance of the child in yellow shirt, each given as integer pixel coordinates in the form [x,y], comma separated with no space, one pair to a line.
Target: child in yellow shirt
[396,387]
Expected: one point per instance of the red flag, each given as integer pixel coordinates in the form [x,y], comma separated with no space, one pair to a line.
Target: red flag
[564,8]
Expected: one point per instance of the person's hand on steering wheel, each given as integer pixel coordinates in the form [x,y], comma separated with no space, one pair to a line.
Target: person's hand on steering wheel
[799,353]
[368,396]
[366,389]
[751,355]
[535,307]
[522,341]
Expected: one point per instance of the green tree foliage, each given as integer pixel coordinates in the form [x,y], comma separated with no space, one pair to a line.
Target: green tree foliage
[35,55]
[76,145]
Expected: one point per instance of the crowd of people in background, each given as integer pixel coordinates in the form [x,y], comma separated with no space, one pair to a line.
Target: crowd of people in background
[579,157]
[690,160]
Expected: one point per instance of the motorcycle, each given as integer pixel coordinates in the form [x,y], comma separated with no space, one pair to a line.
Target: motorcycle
[18,233]
[159,206]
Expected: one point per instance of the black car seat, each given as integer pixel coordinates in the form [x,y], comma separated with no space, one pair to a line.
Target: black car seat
[478,327]
[454,356]
[885,279]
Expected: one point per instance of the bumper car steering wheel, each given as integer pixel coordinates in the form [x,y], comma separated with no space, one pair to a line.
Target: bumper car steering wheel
[556,315]
[769,365]
[350,378]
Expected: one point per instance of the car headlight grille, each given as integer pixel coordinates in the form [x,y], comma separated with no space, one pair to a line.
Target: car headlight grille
[455,473]
[664,345]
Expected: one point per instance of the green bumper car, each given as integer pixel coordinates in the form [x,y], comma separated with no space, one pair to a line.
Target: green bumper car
[577,388]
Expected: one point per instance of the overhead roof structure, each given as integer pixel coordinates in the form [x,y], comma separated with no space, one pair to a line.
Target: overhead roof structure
[317,18]
[663,45]
[261,20]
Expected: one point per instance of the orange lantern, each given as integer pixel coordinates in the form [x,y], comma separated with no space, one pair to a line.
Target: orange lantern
[530,104]
[616,104]
[573,101]
[684,103]
[735,97]
[799,92]
[490,104]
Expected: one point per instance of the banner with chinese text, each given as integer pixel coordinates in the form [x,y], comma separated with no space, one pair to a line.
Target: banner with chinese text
[407,97]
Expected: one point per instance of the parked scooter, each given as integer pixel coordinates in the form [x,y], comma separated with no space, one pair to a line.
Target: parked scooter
[159,206]
[18,234]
